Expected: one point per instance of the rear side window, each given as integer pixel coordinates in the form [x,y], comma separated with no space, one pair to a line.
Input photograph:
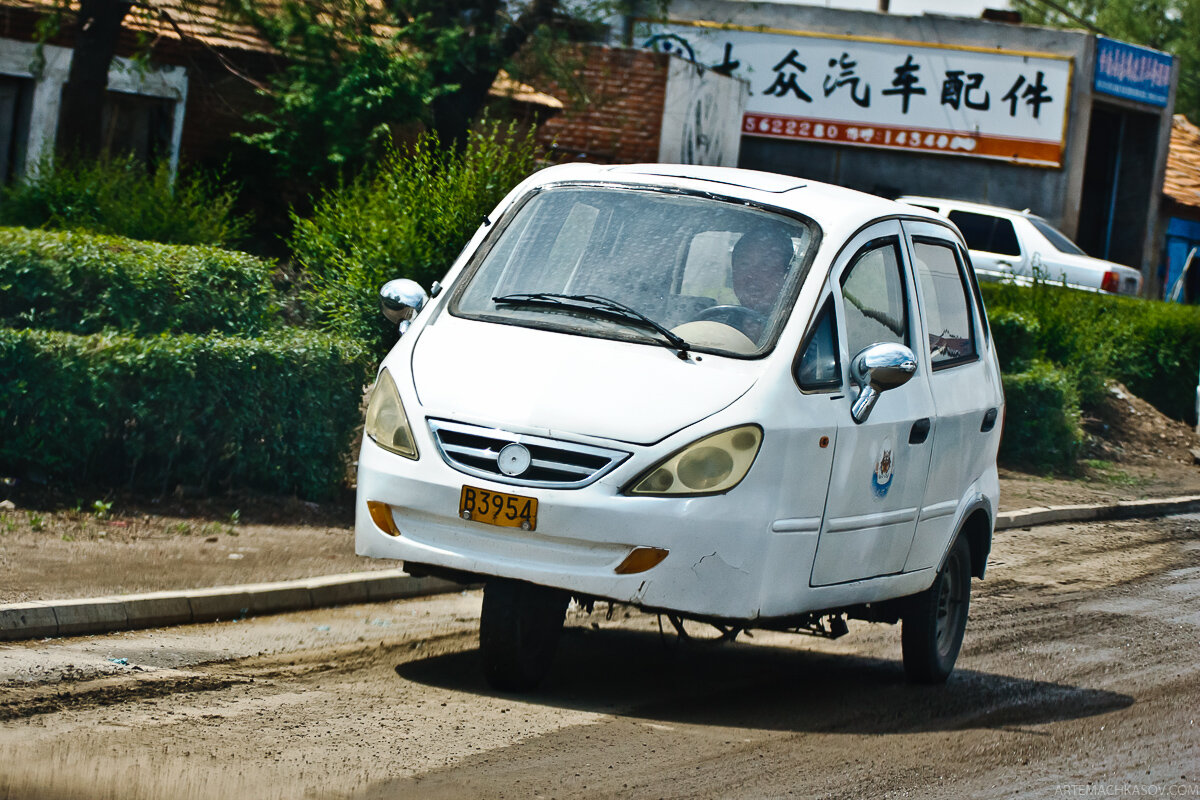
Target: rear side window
[987,233]
[873,291]
[1057,238]
[947,301]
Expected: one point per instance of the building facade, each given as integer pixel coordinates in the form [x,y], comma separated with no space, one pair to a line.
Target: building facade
[1070,125]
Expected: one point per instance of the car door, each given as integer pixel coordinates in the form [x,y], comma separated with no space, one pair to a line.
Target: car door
[879,465]
[965,386]
[996,249]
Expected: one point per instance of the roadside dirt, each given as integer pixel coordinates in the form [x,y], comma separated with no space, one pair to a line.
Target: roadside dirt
[125,545]
[1078,677]
[56,547]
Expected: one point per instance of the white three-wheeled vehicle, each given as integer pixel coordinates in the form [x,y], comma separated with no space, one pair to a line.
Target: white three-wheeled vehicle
[728,396]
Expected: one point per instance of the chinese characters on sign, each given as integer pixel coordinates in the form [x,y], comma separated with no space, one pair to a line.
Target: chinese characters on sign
[1132,72]
[869,93]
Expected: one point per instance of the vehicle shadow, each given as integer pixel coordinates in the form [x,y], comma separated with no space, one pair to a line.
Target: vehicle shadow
[631,673]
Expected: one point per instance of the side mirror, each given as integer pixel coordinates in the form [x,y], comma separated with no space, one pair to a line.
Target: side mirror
[877,368]
[401,300]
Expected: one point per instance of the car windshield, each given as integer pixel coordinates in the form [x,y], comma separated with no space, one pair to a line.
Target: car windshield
[685,271]
[1057,238]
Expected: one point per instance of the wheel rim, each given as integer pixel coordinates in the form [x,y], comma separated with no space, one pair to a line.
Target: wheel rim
[950,607]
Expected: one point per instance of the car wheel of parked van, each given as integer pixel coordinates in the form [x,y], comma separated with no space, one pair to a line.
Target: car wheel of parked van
[518,632]
[933,626]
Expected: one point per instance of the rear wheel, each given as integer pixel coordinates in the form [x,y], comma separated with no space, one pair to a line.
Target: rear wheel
[518,632]
[932,631]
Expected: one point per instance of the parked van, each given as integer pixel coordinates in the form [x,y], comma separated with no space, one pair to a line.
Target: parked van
[728,396]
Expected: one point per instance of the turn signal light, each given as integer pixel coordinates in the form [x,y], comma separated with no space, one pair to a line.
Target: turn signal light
[381,515]
[641,559]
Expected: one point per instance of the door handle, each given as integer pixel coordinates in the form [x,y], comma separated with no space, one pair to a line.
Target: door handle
[919,432]
[989,420]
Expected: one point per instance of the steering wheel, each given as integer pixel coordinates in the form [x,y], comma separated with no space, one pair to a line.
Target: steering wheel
[746,320]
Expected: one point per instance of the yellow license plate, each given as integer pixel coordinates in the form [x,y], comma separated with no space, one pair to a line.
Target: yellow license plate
[497,508]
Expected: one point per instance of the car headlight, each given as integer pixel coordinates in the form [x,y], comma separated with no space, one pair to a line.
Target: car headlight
[712,465]
[387,425]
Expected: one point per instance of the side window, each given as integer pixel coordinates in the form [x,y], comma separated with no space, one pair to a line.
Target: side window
[987,233]
[873,291]
[817,368]
[947,301]
[979,309]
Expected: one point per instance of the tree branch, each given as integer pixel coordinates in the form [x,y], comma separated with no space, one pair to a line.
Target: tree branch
[221,57]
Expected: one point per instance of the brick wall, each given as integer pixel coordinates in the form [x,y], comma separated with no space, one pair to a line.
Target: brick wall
[614,106]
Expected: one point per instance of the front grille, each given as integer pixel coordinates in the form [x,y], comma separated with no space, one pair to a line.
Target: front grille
[556,463]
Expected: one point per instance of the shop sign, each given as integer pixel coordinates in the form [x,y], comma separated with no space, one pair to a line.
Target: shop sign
[864,92]
[1132,72]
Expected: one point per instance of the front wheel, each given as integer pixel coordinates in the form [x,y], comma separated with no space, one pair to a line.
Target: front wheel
[518,632]
[932,631]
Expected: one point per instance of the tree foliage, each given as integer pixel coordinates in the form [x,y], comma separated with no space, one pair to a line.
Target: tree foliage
[410,218]
[351,74]
[357,69]
[1169,25]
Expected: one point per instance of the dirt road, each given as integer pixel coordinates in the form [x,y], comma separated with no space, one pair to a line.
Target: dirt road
[1080,677]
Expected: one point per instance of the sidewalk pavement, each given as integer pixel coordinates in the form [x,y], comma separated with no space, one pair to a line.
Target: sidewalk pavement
[96,615]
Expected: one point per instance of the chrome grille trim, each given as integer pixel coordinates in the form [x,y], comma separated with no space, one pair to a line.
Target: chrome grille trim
[555,463]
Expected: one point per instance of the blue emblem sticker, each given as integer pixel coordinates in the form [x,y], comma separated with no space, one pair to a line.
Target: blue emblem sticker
[881,481]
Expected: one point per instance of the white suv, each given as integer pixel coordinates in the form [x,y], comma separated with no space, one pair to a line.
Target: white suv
[1013,244]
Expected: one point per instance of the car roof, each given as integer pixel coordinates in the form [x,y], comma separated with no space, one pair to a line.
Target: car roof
[964,205]
[836,209]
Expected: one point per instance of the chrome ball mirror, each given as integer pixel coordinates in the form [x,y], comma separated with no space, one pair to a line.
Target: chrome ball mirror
[876,369]
[401,300]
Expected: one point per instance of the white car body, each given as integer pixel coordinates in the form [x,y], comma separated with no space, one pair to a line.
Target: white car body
[1031,244]
[832,513]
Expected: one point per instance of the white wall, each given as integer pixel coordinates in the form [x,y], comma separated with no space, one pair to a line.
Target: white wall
[702,116]
[49,69]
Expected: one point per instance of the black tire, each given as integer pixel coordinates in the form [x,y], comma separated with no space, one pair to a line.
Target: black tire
[518,632]
[932,631]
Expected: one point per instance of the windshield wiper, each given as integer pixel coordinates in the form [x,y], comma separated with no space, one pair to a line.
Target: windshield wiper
[600,307]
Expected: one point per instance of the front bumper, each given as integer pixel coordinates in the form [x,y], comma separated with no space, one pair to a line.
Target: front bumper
[729,557]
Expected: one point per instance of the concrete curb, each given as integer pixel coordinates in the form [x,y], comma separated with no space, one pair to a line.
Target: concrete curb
[156,609]
[1125,509]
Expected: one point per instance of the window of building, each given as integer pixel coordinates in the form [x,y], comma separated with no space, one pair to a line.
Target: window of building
[16,101]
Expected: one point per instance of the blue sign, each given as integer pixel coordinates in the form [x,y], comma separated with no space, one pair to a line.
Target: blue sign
[1133,72]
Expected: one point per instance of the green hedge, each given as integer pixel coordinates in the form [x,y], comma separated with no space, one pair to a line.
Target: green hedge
[1041,419]
[275,414]
[85,283]
[1151,346]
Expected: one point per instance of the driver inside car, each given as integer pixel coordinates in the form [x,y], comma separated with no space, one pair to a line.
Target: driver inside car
[759,266]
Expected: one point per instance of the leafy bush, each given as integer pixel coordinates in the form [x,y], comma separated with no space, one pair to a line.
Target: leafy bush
[275,414]
[1158,355]
[84,283]
[1150,346]
[1041,425]
[120,197]
[410,220]
[1078,331]
[1016,337]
